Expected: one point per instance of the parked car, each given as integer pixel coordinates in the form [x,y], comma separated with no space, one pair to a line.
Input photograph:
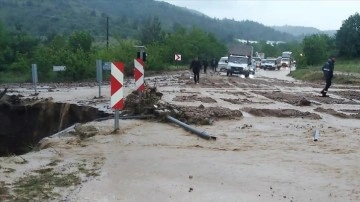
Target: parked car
[222,64]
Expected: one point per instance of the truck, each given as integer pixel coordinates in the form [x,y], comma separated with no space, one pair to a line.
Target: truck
[286,59]
[262,55]
[240,60]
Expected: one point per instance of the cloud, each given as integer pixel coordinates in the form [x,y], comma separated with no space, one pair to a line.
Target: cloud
[324,15]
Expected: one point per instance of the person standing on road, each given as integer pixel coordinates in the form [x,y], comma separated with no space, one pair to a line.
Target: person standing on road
[213,64]
[195,66]
[205,64]
[328,70]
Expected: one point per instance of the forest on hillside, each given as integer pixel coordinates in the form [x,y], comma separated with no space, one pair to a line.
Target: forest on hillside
[78,42]
[126,17]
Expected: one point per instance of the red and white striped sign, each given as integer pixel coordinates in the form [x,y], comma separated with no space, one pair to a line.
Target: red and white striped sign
[116,81]
[139,74]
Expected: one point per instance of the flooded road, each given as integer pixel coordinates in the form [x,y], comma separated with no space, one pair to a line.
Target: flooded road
[267,154]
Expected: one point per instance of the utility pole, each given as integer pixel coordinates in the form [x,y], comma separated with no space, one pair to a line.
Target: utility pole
[107,32]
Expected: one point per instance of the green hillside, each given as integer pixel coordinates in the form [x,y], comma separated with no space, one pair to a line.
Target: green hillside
[126,17]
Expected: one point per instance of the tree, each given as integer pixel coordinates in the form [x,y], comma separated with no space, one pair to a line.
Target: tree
[80,40]
[151,32]
[315,48]
[348,37]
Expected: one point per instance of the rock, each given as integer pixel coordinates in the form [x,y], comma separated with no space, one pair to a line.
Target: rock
[304,102]
[57,142]
[85,131]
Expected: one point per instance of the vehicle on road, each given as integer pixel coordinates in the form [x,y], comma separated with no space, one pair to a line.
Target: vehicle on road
[286,59]
[285,62]
[278,62]
[222,64]
[262,63]
[239,60]
[261,55]
[271,64]
[238,64]
[257,62]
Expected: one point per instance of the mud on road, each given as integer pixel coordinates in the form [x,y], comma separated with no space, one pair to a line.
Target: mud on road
[264,149]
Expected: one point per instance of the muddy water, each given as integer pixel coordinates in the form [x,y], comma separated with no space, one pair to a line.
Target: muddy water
[254,158]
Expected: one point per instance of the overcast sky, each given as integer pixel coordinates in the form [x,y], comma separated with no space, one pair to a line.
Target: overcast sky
[324,15]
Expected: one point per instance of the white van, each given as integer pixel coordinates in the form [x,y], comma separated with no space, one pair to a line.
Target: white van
[222,64]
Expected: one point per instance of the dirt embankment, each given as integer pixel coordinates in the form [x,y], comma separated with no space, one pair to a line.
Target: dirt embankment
[355,113]
[282,113]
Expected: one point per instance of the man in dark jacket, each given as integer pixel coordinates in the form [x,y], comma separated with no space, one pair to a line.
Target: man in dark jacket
[195,66]
[205,64]
[328,70]
[213,64]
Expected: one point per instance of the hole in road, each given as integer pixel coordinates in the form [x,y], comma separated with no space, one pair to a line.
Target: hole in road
[23,125]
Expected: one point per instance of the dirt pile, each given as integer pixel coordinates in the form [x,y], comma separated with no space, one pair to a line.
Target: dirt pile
[243,101]
[339,114]
[205,115]
[349,94]
[192,98]
[149,103]
[297,100]
[302,99]
[137,103]
[282,113]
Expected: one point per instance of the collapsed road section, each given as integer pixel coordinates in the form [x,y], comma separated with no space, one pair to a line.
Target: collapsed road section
[24,122]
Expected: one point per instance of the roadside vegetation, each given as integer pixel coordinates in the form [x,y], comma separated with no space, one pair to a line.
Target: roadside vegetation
[346,72]
[345,46]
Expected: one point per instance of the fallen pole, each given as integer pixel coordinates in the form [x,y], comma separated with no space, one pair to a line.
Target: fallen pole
[316,135]
[64,131]
[202,134]
[126,117]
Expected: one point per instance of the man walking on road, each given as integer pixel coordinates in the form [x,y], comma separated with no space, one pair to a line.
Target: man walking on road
[328,70]
[205,64]
[213,64]
[195,66]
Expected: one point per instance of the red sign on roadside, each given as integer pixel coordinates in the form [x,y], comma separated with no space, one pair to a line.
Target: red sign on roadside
[116,81]
[139,74]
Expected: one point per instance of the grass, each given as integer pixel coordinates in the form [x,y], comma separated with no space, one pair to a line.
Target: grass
[317,76]
[4,192]
[346,72]
[8,77]
[40,186]
[348,66]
